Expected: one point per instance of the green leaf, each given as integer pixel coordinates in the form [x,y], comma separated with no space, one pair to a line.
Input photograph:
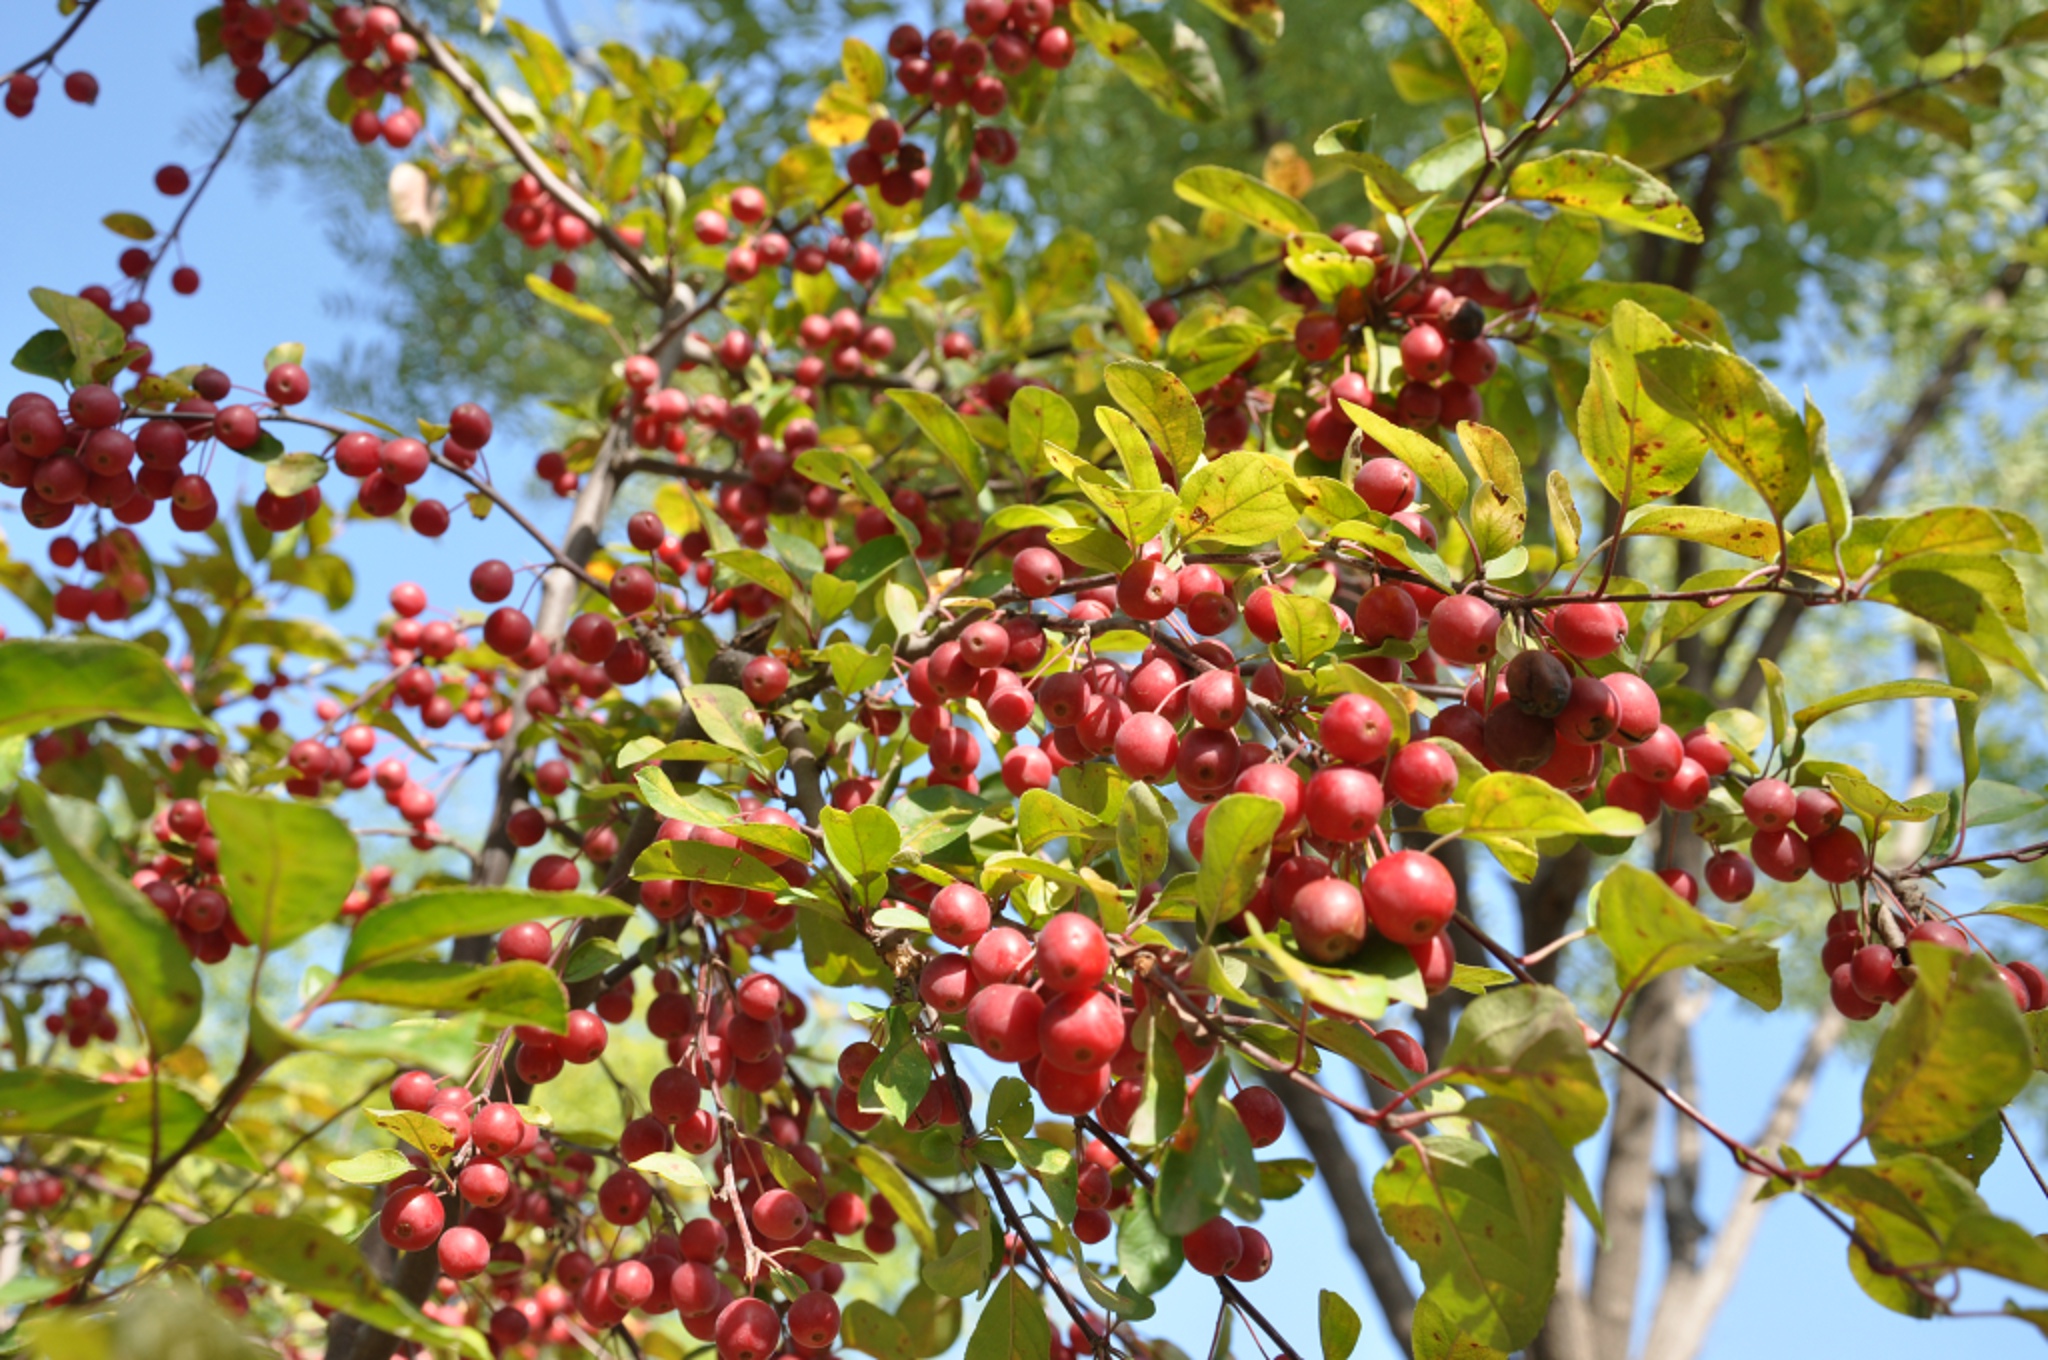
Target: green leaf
[1785,174]
[507,993]
[1669,49]
[1235,843]
[1164,1094]
[1757,539]
[1871,694]
[567,301]
[446,1045]
[1953,1056]
[1486,1244]
[1244,197]
[1476,41]
[895,1187]
[1040,416]
[1260,17]
[1806,31]
[1750,425]
[701,863]
[1215,1168]
[1926,1220]
[307,1259]
[1969,673]
[676,1169]
[93,336]
[1337,1324]
[1526,1044]
[863,842]
[1044,817]
[1238,500]
[901,1075]
[1606,187]
[2031,29]
[963,1267]
[864,1327]
[758,568]
[1519,807]
[406,925]
[40,1100]
[1931,23]
[285,866]
[374,1167]
[1148,1257]
[155,967]
[1650,930]
[1308,626]
[48,682]
[294,473]
[1163,408]
[132,226]
[1160,55]
[1598,302]
[1929,112]
[1432,464]
[1012,1325]
[1144,834]
[948,432]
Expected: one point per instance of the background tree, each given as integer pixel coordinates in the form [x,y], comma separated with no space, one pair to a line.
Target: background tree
[1782,135]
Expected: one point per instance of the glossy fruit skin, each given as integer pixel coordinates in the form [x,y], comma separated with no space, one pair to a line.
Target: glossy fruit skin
[1263,1116]
[1770,804]
[1002,1019]
[1730,876]
[1422,775]
[1410,896]
[1344,804]
[959,915]
[1355,729]
[1783,855]
[1080,1031]
[1838,856]
[1073,953]
[1589,630]
[1463,630]
[1329,919]
[1213,1248]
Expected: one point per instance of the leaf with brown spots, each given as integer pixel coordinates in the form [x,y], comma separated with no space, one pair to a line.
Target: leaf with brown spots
[1485,1241]
[1955,1055]
[1607,187]
[1639,451]
[1748,422]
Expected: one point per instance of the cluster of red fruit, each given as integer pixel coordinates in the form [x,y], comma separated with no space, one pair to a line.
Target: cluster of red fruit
[80,87]
[83,1017]
[386,467]
[78,455]
[363,34]
[1445,356]
[14,939]
[183,882]
[30,1192]
[248,29]
[1865,975]
[950,71]
[767,246]
[118,560]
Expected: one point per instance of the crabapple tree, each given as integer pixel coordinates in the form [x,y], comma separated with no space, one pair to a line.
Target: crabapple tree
[973,745]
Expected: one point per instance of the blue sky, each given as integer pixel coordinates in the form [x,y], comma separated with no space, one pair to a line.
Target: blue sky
[268,275]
